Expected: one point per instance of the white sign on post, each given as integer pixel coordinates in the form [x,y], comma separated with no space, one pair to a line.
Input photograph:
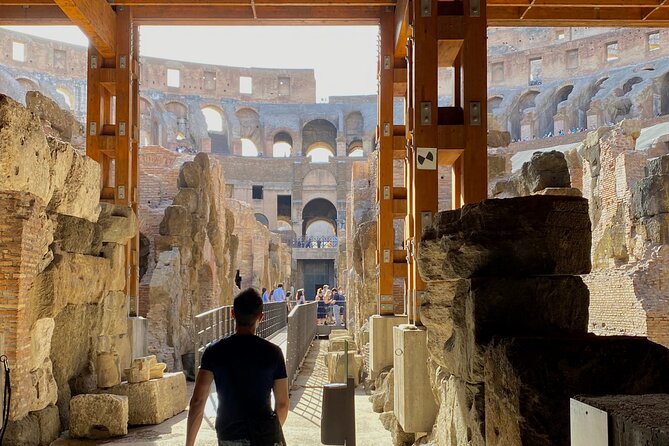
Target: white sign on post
[426,158]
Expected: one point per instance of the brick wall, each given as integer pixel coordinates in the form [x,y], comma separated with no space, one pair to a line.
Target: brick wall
[19,256]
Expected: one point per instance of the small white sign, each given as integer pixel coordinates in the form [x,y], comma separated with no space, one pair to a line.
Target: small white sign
[426,158]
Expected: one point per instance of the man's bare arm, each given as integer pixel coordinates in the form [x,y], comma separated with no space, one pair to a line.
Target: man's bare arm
[197,404]
[281,399]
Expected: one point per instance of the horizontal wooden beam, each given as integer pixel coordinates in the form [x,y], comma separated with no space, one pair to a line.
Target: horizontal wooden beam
[96,19]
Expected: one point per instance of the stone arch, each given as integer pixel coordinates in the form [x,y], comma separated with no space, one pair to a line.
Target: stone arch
[629,83]
[355,148]
[250,128]
[560,96]
[664,94]
[180,111]
[319,177]
[586,104]
[28,84]
[148,126]
[319,209]
[494,102]
[319,131]
[262,218]
[320,152]
[525,101]
[354,125]
[320,228]
[282,144]
[217,129]
[67,96]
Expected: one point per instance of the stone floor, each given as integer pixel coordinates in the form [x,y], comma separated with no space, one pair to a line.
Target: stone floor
[302,427]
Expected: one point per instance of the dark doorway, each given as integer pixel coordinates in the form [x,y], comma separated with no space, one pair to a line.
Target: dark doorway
[315,274]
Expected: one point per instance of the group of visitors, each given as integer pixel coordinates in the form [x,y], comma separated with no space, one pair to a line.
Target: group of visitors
[330,305]
[276,295]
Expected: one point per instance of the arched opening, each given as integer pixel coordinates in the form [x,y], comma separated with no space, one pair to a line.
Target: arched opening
[494,103]
[319,210]
[320,229]
[282,145]
[27,84]
[67,96]
[320,153]
[627,86]
[354,127]
[585,106]
[282,225]
[524,102]
[261,218]
[217,129]
[548,125]
[356,153]
[180,111]
[250,128]
[664,94]
[319,132]
[249,148]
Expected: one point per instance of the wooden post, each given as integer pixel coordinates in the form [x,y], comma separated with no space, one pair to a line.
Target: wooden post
[424,144]
[384,194]
[475,98]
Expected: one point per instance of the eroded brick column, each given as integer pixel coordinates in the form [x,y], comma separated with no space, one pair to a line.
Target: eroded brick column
[20,224]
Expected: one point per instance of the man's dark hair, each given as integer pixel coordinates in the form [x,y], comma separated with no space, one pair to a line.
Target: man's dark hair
[248,307]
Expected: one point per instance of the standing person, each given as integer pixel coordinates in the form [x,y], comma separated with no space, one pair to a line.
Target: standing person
[279,295]
[327,299]
[336,308]
[300,296]
[265,295]
[246,369]
[320,307]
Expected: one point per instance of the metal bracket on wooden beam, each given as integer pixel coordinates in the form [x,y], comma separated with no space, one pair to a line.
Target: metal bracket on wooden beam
[120,192]
[474,113]
[94,62]
[386,129]
[386,193]
[123,62]
[425,219]
[121,128]
[426,8]
[93,129]
[426,113]
[387,63]
[386,256]
[474,8]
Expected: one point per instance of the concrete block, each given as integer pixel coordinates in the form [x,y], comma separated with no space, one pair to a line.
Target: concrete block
[137,329]
[334,334]
[154,401]
[415,406]
[98,416]
[339,344]
[381,342]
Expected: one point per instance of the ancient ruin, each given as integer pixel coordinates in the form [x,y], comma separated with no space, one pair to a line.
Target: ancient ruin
[501,251]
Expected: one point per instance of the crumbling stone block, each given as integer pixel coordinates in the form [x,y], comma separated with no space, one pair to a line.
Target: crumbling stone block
[61,120]
[525,236]
[109,369]
[462,316]
[177,221]
[140,370]
[98,416]
[154,401]
[339,344]
[336,364]
[390,423]
[116,223]
[383,398]
[529,381]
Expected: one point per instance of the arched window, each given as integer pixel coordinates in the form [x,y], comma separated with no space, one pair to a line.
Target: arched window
[213,118]
[283,145]
[356,153]
[249,148]
[320,154]
[320,228]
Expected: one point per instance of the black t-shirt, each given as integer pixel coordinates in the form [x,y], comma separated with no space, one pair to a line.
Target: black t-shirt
[245,368]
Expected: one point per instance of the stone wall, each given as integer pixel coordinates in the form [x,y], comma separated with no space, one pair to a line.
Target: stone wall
[197,240]
[63,261]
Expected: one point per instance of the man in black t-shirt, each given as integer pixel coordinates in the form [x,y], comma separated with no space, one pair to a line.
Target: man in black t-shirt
[246,369]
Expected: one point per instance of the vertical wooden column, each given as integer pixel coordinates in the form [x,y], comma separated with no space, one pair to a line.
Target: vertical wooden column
[385,193]
[424,138]
[475,97]
[134,183]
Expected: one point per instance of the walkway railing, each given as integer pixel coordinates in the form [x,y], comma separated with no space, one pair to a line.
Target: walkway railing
[316,242]
[301,333]
[218,323]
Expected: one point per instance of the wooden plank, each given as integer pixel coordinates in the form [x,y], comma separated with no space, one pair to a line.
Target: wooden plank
[451,137]
[449,156]
[93,107]
[96,19]
[456,184]
[134,170]
[474,67]
[385,231]
[123,107]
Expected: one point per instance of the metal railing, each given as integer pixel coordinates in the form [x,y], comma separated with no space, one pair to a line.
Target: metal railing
[276,318]
[301,333]
[218,323]
[316,242]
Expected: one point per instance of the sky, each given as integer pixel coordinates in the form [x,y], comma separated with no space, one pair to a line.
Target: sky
[343,57]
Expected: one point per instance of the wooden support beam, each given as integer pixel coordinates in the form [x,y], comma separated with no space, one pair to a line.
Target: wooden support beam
[474,88]
[385,231]
[96,19]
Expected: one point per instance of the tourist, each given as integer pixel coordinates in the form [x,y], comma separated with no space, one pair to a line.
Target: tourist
[278,295]
[265,295]
[300,296]
[327,300]
[246,369]
[320,309]
[337,300]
